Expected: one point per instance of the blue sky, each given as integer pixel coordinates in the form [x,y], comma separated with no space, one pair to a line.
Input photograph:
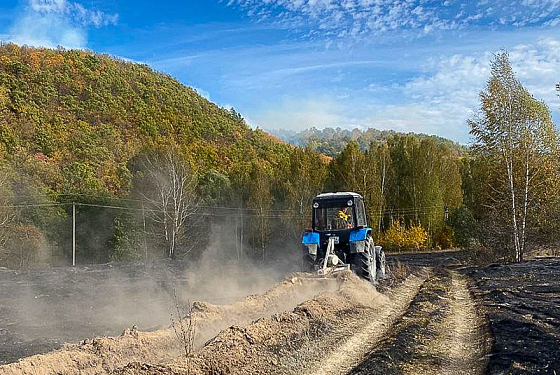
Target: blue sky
[407,65]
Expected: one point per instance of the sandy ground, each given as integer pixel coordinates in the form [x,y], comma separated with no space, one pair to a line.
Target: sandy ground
[442,319]
[105,354]
[343,358]
[40,310]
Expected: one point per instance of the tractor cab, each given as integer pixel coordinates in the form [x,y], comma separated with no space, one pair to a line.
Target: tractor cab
[339,236]
[338,215]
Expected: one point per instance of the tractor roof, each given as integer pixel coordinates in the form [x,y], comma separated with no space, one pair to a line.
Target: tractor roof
[338,195]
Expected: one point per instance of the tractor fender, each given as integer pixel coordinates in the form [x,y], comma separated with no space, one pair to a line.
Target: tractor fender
[358,240]
[312,242]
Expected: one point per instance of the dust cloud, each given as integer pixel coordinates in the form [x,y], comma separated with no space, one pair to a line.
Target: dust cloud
[42,309]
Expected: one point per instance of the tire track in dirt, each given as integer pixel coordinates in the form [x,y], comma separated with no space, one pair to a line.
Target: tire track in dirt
[461,339]
[342,359]
[292,342]
[441,333]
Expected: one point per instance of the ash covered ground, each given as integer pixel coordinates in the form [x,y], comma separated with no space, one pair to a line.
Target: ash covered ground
[519,305]
[499,319]
[522,306]
[42,309]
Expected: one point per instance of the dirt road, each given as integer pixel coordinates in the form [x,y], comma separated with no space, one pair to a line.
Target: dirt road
[439,319]
[440,333]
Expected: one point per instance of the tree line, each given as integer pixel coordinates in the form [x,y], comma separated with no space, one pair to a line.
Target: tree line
[157,171]
[331,142]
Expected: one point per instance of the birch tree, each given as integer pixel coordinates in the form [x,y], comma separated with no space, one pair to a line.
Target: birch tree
[518,142]
[170,193]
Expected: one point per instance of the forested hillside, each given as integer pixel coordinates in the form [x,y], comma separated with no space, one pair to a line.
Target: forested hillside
[142,167]
[90,114]
[81,127]
[331,141]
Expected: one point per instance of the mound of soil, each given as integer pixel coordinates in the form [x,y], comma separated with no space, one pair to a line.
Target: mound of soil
[105,354]
[40,310]
[262,346]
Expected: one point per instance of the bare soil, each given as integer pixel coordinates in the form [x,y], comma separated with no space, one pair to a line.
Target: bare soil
[434,316]
[440,333]
[41,310]
[105,354]
[317,337]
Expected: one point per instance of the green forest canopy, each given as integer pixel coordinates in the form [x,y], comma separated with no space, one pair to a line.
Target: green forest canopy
[80,127]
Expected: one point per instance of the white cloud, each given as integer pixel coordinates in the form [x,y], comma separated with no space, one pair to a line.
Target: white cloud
[52,23]
[439,101]
[204,93]
[362,18]
[47,31]
[74,12]
[442,100]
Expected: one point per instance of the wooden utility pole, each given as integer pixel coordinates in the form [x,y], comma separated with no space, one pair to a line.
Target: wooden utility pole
[144,224]
[73,234]
[241,234]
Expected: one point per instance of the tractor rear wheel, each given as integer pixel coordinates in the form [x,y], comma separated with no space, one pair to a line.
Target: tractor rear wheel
[381,264]
[364,264]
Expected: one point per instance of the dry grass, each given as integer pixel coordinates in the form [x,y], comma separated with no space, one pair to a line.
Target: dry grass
[184,325]
[397,272]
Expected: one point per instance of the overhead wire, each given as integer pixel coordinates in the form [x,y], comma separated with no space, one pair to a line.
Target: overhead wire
[246,211]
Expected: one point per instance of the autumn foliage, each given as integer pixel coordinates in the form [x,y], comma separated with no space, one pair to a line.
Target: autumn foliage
[399,237]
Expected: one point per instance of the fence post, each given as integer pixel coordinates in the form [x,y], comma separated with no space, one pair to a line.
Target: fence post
[73,234]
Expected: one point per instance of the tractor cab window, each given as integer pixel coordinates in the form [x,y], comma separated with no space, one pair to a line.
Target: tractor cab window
[334,216]
[361,213]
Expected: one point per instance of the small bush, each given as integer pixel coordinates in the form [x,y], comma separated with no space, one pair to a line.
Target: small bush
[444,238]
[480,254]
[26,247]
[399,238]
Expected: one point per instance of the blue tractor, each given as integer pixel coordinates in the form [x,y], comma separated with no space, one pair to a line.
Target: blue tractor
[340,238]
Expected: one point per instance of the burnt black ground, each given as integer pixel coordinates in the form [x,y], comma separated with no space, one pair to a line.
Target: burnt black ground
[429,259]
[42,309]
[522,304]
[39,310]
[411,332]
